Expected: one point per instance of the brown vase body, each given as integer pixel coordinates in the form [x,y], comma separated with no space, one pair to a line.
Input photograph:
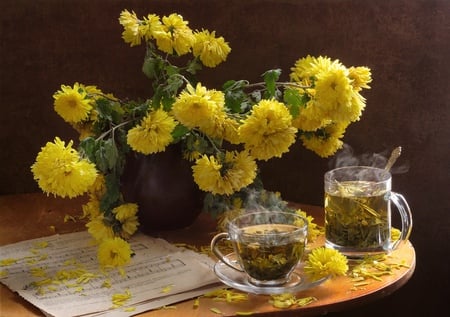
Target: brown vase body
[163,187]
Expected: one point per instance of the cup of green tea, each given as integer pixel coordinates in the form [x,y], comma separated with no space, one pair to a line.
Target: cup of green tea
[357,205]
[268,245]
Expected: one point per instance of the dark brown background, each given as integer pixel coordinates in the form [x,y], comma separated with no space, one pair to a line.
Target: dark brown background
[46,43]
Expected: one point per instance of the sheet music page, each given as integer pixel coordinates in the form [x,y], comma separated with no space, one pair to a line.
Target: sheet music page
[61,276]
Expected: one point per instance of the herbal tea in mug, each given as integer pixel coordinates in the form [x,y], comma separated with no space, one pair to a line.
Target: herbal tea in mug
[268,245]
[358,211]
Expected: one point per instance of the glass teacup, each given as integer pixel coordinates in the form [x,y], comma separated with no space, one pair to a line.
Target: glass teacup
[268,245]
[358,211]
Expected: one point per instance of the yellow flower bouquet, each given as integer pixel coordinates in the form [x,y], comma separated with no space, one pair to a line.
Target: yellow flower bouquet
[223,132]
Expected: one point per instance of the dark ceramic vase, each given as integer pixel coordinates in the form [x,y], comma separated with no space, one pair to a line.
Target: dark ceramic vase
[163,187]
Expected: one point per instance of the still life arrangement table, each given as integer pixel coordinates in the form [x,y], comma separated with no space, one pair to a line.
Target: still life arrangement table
[32,216]
[182,167]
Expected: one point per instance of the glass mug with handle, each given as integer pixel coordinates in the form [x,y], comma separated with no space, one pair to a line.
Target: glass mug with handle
[358,211]
[268,245]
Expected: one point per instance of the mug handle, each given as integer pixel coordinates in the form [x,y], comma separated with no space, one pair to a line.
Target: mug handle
[406,219]
[215,249]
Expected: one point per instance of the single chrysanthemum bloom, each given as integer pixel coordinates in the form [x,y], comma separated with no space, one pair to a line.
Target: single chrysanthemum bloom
[150,25]
[196,107]
[72,103]
[326,143]
[174,36]
[114,252]
[268,132]
[226,175]
[133,31]
[126,215]
[210,49]
[59,170]
[333,94]
[360,77]
[323,262]
[153,134]
[99,230]
[125,211]
[129,227]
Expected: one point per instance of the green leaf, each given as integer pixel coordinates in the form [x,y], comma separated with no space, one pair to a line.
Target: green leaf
[106,155]
[235,97]
[100,158]
[295,100]
[179,132]
[112,194]
[88,146]
[104,109]
[167,102]
[256,95]
[174,82]
[151,67]
[270,78]
[111,153]
[292,97]
[193,66]
[171,70]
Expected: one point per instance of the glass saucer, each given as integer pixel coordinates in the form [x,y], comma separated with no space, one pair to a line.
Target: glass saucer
[239,280]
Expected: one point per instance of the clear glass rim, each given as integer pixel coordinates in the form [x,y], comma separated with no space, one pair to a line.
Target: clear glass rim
[384,176]
[236,227]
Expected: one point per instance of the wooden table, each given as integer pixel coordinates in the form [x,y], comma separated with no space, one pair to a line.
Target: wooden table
[29,216]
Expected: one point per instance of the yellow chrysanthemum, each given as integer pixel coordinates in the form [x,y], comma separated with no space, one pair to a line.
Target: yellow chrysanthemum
[220,126]
[231,131]
[313,230]
[235,171]
[99,230]
[302,69]
[333,94]
[60,171]
[114,252]
[129,227]
[126,215]
[153,134]
[72,103]
[310,118]
[98,188]
[323,262]
[211,50]
[195,107]
[268,132]
[84,128]
[91,209]
[323,64]
[151,25]
[360,77]
[326,145]
[175,35]
[357,105]
[307,68]
[125,211]
[132,32]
